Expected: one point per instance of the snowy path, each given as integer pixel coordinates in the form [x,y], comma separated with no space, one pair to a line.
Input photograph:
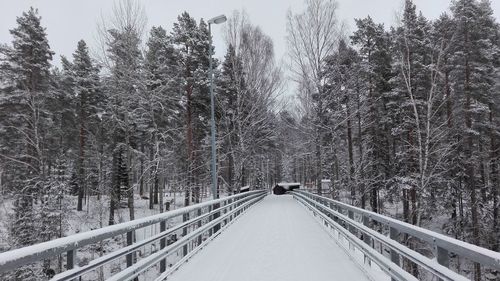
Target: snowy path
[277,239]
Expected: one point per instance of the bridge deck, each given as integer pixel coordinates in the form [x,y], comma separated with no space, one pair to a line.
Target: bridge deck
[275,240]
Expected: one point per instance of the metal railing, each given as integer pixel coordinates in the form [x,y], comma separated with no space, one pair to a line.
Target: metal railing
[200,223]
[365,230]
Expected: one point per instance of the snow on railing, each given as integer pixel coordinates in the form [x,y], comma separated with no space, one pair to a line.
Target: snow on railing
[206,221]
[342,218]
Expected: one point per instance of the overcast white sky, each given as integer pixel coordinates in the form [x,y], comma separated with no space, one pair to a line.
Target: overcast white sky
[68,21]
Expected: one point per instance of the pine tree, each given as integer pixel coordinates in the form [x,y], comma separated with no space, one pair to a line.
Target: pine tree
[27,65]
[473,53]
[373,43]
[123,86]
[342,76]
[192,42]
[83,78]
[160,102]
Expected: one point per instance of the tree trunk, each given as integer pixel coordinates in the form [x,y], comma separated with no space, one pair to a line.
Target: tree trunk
[494,183]
[469,170]
[406,206]
[360,149]
[350,153]
[189,135]
[129,187]
[156,188]
[482,173]
[230,173]
[319,170]
[152,178]
[161,188]
[141,184]
[81,159]
[414,211]
[115,187]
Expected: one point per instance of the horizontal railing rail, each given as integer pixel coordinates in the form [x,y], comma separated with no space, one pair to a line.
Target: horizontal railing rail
[149,261]
[341,216]
[203,219]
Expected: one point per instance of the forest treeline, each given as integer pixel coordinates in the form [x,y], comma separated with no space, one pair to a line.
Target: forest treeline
[128,120]
[403,120]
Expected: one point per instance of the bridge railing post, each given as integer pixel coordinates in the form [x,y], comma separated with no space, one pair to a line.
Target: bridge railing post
[350,214]
[443,257]
[210,207]
[215,216]
[230,209]
[192,244]
[366,238]
[70,259]
[324,205]
[226,210]
[163,262]
[199,225]
[130,240]
[394,235]
[334,207]
[185,217]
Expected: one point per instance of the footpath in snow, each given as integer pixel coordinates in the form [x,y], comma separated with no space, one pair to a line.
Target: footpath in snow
[277,239]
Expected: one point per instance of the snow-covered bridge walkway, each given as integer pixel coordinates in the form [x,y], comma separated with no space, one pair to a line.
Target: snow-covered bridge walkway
[277,239]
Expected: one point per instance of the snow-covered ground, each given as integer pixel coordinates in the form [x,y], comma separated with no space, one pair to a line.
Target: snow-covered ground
[275,240]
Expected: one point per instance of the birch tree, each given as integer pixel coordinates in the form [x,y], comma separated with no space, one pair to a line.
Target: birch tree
[251,80]
[312,37]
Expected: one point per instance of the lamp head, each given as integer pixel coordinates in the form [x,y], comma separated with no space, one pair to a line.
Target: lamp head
[217,19]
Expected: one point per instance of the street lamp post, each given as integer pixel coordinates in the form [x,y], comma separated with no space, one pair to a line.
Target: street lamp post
[216,20]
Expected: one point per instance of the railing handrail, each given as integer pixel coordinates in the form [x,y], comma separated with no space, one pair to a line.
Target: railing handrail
[393,270]
[145,263]
[58,246]
[472,252]
[67,275]
[385,263]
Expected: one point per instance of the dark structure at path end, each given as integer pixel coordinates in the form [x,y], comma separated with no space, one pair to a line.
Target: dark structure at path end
[282,187]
